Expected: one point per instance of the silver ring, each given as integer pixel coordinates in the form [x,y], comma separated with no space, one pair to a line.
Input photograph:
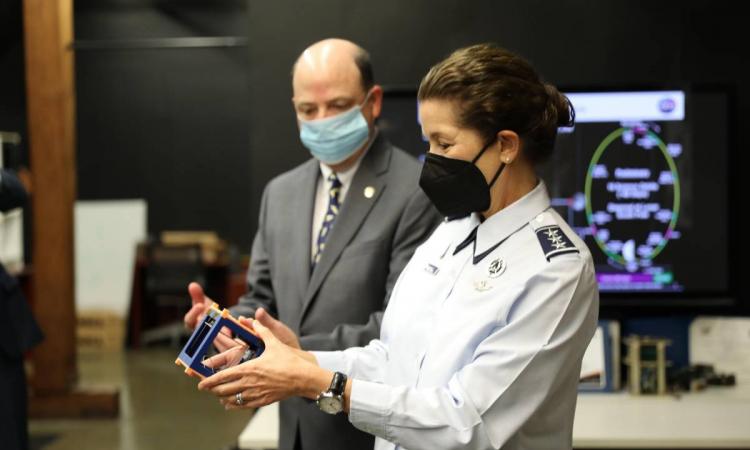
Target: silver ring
[238,399]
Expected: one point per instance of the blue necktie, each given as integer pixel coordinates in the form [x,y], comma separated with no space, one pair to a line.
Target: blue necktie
[331,213]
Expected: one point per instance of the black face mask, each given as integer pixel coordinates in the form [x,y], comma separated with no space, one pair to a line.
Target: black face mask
[456,187]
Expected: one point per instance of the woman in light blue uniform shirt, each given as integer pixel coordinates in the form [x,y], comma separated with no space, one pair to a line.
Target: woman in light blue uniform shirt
[482,340]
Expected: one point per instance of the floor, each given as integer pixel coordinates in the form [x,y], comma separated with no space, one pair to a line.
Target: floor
[160,408]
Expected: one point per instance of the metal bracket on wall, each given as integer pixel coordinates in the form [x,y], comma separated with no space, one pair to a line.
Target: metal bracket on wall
[161,43]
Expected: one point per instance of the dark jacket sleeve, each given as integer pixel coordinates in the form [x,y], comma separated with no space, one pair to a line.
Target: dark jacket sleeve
[12,192]
[18,329]
[418,220]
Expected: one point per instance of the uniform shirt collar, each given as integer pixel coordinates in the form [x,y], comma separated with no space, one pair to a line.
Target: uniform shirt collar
[488,235]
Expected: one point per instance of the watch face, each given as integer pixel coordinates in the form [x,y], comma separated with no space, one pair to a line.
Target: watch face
[330,403]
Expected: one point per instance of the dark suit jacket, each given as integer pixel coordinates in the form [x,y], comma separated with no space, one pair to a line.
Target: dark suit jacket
[18,329]
[339,304]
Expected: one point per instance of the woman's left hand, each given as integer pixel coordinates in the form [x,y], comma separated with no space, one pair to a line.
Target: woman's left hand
[280,372]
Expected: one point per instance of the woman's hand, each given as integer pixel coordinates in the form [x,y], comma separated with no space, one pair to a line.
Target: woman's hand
[233,350]
[279,373]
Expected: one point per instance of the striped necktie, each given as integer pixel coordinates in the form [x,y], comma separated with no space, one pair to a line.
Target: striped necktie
[331,213]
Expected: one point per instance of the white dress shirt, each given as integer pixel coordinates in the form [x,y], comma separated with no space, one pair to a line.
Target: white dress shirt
[480,349]
[322,193]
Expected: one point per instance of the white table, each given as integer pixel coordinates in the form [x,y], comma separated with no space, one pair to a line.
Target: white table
[716,418]
[262,432]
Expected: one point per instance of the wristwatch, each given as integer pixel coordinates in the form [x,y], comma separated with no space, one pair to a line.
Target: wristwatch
[332,400]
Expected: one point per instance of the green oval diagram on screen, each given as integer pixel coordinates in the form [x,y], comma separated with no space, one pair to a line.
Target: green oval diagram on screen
[632,195]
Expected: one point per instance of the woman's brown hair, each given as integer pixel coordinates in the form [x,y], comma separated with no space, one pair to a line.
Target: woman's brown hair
[496,90]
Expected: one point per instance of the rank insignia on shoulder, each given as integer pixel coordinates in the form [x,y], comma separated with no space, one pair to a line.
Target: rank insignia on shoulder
[554,242]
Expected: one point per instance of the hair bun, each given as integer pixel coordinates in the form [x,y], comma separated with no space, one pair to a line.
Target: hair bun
[558,108]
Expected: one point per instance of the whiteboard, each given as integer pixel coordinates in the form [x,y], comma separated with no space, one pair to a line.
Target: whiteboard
[723,342]
[106,235]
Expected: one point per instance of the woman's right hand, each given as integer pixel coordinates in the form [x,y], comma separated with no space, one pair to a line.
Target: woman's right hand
[280,372]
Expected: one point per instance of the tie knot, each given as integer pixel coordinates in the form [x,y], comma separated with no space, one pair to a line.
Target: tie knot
[334,180]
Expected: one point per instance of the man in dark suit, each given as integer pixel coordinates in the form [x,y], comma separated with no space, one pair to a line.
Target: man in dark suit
[335,232]
[18,333]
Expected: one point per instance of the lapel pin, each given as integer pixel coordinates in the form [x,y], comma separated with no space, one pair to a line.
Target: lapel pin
[369,191]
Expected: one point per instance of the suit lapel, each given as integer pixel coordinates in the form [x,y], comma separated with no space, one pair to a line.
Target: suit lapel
[301,206]
[355,209]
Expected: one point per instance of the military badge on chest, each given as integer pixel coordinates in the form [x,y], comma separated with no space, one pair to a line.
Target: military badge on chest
[495,269]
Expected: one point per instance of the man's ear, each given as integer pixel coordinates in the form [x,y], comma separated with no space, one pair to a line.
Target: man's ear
[376,99]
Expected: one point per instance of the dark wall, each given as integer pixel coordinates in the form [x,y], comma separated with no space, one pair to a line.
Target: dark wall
[572,43]
[162,117]
[12,84]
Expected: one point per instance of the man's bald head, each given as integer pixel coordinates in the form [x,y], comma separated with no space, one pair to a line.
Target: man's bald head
[339,55]
[332,77]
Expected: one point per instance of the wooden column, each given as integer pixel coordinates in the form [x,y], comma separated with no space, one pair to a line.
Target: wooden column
[50,101]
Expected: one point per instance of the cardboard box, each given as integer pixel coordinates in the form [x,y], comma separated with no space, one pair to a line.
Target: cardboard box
[212,247]
[100,331]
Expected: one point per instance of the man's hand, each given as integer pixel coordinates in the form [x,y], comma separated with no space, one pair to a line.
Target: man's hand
[226,359]
[201,303]
[278,328]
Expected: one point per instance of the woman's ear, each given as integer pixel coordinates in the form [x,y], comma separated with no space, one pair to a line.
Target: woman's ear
[510,145]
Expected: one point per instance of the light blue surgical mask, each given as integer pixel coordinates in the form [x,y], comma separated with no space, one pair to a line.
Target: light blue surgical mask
[333,139]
